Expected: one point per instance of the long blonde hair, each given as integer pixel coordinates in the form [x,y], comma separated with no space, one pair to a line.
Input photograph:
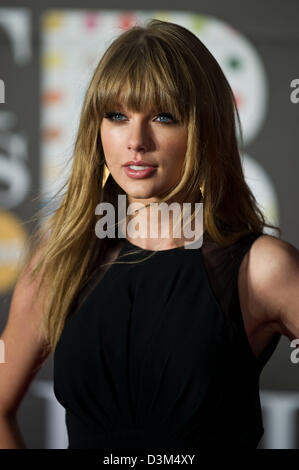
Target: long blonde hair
[165,66]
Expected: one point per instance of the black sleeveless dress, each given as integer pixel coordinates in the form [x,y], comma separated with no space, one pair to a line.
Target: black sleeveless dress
[156,355]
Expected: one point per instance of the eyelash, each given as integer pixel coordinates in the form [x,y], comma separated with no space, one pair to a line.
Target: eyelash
[111,115]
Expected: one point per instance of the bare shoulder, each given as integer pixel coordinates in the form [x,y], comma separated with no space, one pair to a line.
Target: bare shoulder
[268,246]
[268,274]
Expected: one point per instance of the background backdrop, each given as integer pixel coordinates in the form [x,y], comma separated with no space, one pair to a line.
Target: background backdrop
[48,51]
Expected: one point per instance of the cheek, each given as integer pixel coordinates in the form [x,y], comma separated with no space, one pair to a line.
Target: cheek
[109,147]
[179,147]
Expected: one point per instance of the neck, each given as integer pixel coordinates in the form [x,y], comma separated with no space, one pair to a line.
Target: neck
[159,225]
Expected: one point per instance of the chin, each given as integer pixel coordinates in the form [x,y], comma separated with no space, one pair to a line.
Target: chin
[139,190]
[141,195]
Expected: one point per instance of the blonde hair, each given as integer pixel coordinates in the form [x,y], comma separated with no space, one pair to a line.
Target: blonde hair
[163,66]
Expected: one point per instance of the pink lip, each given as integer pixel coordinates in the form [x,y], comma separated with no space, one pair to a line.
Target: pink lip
[139,163]
[139,173]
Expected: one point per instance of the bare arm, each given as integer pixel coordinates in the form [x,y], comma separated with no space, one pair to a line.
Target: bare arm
[10,435]
[25,353]
[275,283]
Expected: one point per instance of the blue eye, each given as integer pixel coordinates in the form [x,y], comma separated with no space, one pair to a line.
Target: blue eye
[168,116]
[112,115]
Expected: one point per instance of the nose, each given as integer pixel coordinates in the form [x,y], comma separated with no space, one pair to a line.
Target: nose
[138,139]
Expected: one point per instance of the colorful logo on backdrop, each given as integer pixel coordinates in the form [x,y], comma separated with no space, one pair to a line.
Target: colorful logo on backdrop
[73,41]
[15,173]
[12,242]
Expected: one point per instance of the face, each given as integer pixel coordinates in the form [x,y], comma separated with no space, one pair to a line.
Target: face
[157,139]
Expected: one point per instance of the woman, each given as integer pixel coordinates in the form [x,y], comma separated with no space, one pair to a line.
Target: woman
[155,345]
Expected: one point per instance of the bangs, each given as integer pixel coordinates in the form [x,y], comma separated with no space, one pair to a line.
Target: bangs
[141,80]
